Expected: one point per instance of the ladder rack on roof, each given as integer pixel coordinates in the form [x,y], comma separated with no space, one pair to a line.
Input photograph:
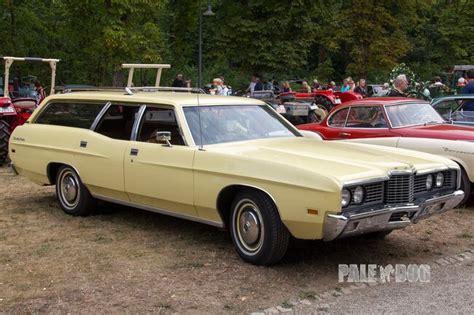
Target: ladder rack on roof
[132,66]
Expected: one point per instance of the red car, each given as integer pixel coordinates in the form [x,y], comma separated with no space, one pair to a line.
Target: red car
[387,117]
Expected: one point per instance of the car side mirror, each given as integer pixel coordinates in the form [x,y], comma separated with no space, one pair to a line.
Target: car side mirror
[164,136]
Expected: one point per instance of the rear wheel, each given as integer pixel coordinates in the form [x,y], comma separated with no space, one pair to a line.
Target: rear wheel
[257,232]
[73,196]
[4,137]
[324,102]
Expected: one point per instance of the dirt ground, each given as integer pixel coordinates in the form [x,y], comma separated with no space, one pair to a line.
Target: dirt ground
[125,260]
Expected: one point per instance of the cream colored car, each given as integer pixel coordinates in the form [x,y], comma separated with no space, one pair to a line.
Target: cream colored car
[225,161]
[461,152]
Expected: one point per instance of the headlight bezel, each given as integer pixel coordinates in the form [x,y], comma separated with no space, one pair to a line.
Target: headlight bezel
[360,192]
[439,175]
[346,197]
[429,182]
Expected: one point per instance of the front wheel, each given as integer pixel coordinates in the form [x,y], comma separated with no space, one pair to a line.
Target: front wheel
[257,232]
[4,137]
[466,187]
[73,196]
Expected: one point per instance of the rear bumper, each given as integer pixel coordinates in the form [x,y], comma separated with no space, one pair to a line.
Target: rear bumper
[390,218]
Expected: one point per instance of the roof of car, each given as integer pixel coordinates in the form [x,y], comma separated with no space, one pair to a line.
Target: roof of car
[168,98]
[453,97]
[383,101]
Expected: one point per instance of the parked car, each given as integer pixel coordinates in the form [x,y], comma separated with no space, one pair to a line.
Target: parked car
[230,162]
[452,108]
[296,111]
[402,123]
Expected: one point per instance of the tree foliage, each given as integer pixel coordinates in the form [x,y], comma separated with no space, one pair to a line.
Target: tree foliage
[304,38]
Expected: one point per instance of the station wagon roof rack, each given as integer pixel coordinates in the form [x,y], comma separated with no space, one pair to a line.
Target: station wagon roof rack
[129,90]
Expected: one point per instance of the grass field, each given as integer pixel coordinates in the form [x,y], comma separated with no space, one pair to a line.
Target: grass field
[127,260]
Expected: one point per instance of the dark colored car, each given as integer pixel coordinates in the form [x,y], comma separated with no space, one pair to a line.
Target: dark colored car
[453,108]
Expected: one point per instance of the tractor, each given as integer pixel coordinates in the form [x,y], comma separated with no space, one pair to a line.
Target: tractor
[18,101]
[326,99]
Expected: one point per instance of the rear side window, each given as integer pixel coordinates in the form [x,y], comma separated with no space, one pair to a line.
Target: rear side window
[79,115]
[118,121]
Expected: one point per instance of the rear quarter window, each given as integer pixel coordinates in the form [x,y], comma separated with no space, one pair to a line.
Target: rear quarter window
[69,114]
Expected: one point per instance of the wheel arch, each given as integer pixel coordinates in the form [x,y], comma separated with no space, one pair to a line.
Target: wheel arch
[226,196]
[53,168]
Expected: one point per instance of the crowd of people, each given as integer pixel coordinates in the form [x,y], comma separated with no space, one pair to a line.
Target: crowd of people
[399,86]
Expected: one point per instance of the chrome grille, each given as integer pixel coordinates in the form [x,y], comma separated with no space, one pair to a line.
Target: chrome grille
[399,189]
[420,183]
[449,179]
[373,193]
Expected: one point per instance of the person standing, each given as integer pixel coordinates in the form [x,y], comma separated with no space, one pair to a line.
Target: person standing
[400,84]
[40,91]
[345,85]
[286,87]
[469,89]
[179,81]
[255,84]
[306,87]
[362,88]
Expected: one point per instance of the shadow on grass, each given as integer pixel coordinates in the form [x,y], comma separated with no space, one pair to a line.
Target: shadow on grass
[395,248]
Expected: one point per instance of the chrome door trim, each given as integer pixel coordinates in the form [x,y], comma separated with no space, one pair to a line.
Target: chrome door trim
[160,211]
[136,123]
[99,116]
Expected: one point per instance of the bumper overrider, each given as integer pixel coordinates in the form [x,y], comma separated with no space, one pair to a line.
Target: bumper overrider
[345,225]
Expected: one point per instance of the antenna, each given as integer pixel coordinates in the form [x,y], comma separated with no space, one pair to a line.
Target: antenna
[201,146]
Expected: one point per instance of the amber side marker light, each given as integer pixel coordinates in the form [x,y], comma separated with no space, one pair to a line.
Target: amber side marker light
[313,211]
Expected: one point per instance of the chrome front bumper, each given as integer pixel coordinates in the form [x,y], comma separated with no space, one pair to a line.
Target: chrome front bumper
[345,225]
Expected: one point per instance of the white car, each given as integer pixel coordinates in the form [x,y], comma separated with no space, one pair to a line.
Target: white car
[462,152]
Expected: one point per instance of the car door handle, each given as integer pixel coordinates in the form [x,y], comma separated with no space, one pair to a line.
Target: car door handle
[134,152]
[83,144]
[345,134]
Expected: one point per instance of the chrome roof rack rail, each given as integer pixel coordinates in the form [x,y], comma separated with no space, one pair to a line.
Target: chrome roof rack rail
[167,89]
[127,90]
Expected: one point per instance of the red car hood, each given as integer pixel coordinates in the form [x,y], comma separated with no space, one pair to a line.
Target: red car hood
[437,131]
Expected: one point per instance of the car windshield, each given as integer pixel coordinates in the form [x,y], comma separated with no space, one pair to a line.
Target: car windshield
[402,115]
[228,123]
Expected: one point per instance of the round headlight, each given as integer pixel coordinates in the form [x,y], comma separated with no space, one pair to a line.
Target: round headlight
[358,196]
[429,182]
[345,197]
[439,179]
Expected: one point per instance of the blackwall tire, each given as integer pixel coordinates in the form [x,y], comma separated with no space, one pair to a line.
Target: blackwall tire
[4,137]
[73,196]
[257,232]
[466,186]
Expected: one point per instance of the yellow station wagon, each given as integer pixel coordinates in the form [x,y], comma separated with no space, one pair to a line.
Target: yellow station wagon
[225,161]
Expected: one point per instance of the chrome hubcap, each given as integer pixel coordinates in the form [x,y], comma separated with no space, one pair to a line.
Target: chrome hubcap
[68,189]
[249,226]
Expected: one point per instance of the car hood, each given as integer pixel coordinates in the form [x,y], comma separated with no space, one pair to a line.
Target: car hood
[438,131]
[344,162]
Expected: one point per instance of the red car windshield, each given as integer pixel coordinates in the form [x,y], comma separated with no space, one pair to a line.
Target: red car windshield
[403,115]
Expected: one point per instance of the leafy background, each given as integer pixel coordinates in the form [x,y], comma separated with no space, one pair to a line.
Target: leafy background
[320,39]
